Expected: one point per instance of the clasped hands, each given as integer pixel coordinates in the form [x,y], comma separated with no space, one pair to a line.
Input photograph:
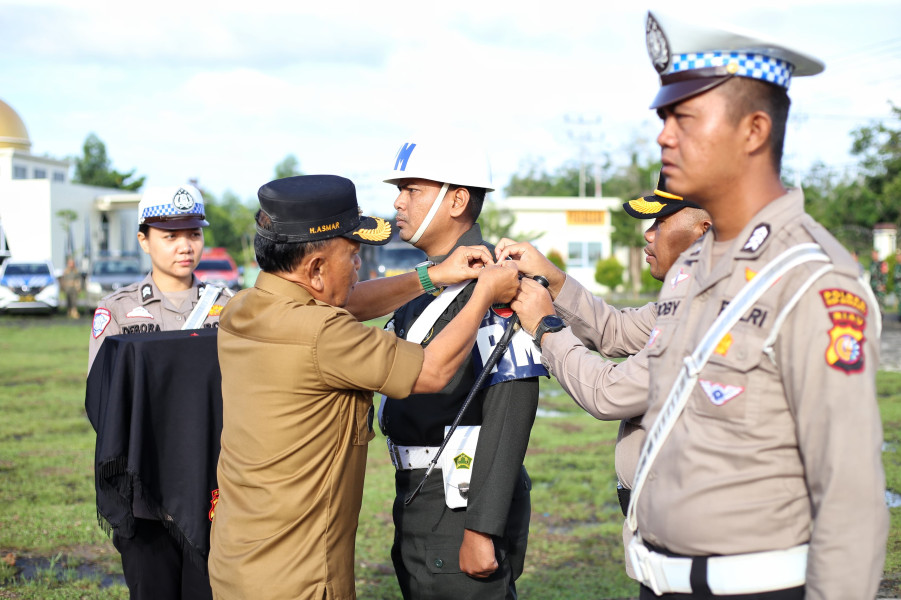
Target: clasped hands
[508,276]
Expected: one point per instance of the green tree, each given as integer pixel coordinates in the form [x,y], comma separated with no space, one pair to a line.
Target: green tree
[497,222]
[609,272]
[536,181]
[231,225]
[557,259]
[289,167]
[94,167]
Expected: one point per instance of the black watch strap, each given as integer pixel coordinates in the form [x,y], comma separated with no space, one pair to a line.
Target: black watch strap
[548,324]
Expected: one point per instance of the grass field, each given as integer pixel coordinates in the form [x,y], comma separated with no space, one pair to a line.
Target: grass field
[51,546]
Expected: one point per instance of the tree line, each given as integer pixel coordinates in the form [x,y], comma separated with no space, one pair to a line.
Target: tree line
[849,202]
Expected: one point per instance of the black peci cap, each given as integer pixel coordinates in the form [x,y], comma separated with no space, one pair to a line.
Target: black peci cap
[307,208]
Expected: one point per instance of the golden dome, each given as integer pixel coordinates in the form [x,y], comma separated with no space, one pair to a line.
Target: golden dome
[12,129]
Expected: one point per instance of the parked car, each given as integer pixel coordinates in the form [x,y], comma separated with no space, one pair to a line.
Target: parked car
[397,258]
[28,286]
[109,274]
[217,267]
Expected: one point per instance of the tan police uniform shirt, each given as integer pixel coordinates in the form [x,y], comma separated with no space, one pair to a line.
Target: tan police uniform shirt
[607,390]
[780,444]
[141,308]
[297,382]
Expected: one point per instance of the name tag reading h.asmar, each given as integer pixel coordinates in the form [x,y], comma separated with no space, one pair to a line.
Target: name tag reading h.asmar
[521,359]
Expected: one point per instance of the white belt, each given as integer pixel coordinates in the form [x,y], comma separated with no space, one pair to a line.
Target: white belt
[735,574]
[407,458]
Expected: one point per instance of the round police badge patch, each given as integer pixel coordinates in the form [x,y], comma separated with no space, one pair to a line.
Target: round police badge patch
[183,200]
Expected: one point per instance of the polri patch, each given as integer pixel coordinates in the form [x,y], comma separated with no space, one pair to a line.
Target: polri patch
[102,318]
[720,393]
[215,310]
[839,297]
[215,497]
[845,350]
[138,313]
[722,348]
[757,238]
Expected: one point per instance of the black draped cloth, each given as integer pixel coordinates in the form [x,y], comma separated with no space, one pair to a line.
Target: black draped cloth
[155,401]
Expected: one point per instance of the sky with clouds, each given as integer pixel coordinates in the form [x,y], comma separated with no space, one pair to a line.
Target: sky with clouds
[223,91]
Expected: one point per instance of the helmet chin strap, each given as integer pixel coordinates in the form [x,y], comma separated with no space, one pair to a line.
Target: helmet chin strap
[431,214]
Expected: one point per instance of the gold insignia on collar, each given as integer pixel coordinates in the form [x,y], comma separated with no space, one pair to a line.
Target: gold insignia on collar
[382,231]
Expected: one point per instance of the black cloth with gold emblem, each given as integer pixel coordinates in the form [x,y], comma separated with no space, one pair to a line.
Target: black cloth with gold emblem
[155,401]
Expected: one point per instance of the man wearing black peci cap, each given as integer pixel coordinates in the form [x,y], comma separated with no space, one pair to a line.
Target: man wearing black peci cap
[761,475]
[578,355]
[298,372]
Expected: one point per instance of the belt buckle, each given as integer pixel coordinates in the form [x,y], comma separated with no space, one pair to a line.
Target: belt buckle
[641,562]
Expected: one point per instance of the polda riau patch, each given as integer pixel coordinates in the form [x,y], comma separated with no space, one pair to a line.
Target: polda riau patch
[845,350]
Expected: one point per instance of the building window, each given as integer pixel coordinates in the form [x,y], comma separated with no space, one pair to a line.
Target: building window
[584,254]
[20,172]
[59,176]
[40,174]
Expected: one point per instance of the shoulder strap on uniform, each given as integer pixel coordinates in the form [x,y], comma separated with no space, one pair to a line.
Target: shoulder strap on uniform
[418,330]
[202,308]
[692,365]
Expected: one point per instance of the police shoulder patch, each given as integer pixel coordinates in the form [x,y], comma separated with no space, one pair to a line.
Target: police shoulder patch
[102,318]
[848,311]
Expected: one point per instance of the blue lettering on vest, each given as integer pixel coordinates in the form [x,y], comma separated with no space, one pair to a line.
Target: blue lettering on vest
[403,155]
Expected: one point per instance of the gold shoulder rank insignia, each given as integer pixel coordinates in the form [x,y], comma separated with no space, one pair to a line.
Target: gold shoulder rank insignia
[381,231]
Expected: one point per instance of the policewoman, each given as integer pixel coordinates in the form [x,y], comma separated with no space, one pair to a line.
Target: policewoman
[465,534]
[298,375]
[170,230]
[579,354]
[761,475]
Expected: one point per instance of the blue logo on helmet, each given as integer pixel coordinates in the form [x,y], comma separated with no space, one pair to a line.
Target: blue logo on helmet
[403,155]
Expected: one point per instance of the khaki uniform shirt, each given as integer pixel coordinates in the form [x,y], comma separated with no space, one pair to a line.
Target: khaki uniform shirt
[607,390]
[779,444]
[141,308]
[297,381]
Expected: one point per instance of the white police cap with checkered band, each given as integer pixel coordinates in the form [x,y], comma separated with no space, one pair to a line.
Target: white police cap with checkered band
[692,58]
[172,207]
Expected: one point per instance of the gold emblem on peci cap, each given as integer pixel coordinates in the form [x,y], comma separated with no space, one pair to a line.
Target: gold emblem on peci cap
[381,231]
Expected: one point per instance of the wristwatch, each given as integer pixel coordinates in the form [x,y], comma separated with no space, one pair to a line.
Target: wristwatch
[422,269]
[548,324]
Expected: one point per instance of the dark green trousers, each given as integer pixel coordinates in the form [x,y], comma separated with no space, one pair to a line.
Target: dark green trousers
[427,539]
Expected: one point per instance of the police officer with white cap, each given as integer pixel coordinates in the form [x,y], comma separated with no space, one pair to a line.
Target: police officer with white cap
[170,229]
[761,476]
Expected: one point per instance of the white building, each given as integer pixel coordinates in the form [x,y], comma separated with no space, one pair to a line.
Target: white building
[579,229]
[33,191]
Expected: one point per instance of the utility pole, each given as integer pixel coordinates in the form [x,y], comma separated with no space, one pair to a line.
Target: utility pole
[586,131]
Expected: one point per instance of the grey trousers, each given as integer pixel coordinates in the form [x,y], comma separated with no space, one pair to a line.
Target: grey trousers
[427,539]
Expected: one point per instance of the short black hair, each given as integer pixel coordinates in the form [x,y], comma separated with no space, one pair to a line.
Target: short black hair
[476,199]
[750,95]
[280,257]
[144,228]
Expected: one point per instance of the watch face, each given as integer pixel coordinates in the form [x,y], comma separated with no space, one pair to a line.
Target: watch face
[553,323]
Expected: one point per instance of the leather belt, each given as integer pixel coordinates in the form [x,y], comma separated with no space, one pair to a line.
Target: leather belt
[408,458]
[751,573]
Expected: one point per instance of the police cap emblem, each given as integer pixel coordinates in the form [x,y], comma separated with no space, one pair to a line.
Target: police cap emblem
[658,47]
[183,200]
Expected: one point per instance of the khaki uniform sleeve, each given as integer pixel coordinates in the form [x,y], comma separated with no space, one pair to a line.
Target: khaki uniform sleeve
[352,355]
[612,332]
[829,352]
[103,325]
[607,390]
